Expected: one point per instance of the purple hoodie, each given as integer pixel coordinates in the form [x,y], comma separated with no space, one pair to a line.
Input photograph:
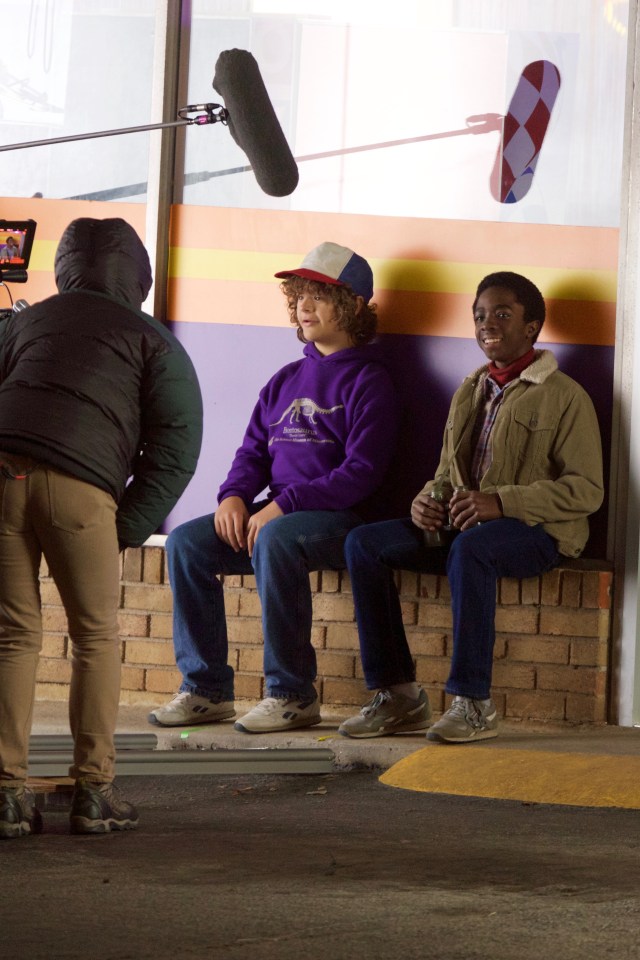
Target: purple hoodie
[322,434]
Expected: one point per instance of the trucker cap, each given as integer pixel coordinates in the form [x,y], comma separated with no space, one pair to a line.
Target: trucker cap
[331,263]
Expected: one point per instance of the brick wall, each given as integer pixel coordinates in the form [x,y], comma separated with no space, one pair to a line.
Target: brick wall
[550,663]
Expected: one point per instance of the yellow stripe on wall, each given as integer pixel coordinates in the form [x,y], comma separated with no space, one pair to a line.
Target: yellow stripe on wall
[426,276]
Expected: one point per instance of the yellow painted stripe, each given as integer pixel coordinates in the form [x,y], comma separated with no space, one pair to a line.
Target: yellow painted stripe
[532,776]
[425,276]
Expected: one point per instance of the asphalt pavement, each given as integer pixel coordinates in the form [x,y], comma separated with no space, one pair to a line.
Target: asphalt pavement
[331,865]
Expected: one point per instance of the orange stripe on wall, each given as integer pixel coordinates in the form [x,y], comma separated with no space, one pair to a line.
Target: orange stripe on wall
[293,232]
[399,311]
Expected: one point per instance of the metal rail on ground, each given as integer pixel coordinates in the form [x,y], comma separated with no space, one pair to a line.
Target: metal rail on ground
[51,756]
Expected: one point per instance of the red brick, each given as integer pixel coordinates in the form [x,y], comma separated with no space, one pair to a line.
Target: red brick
[426,644]
[516,676]
[571,590]
[318,637]
[243,630]
[54,619]
[250,605]
[232,600]
[509,590]
[152,652]
[566,622]
[409,611]
[535,705]
[330,581]
[133,624]
[53,671]
[586,709]
[251,659]
[52,691]
[500,648]
[517,619]
[538,650]
[132,678]
[348,692]
[409,583]
[589,653]
[132,564]
[429,586]
[444,590]
[162,679]
[432,670]
[152,564]
[147,597]
[434,616]
[333,607]
[585,680]
[231,580]
[54,646]
[342,636]
[161,626]
[49,593]
[550,588]
[530,591]
[248,687]
[336,665]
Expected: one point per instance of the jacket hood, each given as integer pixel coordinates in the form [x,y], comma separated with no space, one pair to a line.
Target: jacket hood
[104,256]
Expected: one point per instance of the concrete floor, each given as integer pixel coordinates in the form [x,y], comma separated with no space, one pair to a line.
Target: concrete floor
[335,866]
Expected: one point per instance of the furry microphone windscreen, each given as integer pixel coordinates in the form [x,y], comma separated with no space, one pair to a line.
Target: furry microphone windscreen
[253,123]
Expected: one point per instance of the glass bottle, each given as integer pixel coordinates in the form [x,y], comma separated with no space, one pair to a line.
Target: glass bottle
[441,493]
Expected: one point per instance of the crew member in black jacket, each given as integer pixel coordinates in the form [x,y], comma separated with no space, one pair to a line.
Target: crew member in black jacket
[100,432]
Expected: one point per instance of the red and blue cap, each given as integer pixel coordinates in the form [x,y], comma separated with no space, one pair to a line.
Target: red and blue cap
[331,263]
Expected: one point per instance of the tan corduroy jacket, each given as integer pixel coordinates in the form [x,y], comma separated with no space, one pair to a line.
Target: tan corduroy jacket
[546,453]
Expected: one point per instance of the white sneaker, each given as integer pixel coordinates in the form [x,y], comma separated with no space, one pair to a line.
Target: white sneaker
[188,708]
[278,713]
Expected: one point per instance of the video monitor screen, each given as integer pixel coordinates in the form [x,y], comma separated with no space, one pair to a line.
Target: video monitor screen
[16,241]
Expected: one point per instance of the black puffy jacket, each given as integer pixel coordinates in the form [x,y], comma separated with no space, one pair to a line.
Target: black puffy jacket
[98,389]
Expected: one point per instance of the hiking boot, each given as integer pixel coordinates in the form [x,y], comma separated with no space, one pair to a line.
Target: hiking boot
[466,720]
[186,709]
[388,713]
[280,713]
[98,808]
[18,813]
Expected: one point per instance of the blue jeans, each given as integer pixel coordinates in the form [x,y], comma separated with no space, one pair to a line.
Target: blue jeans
[285,551]
[473,561]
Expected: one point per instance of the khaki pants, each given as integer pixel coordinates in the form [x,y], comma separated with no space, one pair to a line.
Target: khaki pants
[73,524]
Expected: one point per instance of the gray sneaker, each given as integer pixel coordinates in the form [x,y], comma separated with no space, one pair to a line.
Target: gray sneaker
[19,815]
[279,713]
[187,709]
[466,720]
[388,713]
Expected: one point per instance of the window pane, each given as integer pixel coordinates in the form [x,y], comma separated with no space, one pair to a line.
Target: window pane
[409,98]
[75,67]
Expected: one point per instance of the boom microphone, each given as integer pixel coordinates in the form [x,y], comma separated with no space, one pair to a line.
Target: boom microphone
[253,123]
